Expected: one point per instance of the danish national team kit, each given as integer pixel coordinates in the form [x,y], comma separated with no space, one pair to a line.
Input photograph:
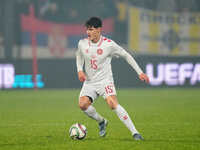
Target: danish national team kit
[96,58]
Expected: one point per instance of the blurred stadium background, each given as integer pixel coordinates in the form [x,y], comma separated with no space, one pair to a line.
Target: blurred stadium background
[38,40]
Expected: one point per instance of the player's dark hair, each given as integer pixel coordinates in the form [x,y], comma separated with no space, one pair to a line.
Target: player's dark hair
[94,22]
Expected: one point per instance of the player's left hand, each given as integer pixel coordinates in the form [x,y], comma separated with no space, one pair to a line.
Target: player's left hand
[144,77]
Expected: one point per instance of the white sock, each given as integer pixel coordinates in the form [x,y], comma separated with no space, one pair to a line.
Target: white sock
[92,113]
[124,117]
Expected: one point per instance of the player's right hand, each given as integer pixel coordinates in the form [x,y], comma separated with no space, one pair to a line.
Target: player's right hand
[81,76]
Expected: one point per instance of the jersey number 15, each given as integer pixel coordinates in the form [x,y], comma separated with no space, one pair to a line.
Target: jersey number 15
[93,63]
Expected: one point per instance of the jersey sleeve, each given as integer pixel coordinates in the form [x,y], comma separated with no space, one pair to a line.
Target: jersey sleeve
[79,58]
[118,51]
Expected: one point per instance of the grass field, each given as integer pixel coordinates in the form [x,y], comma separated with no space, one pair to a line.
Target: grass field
[168,119]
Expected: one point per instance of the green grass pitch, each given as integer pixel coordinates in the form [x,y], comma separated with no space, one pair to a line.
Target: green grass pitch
[168,119]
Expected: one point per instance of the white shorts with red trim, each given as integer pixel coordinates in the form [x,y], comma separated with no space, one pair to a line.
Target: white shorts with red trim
[103,88]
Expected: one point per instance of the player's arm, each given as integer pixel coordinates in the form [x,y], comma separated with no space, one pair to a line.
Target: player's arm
[119,51]
[79,65]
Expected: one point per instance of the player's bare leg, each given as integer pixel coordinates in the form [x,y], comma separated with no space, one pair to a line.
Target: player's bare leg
[85,105]
[123,116]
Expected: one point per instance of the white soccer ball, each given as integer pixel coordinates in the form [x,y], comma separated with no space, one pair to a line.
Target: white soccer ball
[77,131]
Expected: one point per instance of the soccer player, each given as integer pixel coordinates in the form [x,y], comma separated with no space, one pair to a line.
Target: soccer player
[93,59]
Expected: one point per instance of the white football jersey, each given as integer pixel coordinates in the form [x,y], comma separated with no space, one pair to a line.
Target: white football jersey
[97,58]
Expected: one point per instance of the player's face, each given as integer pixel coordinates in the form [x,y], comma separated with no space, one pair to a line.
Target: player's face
[93,34]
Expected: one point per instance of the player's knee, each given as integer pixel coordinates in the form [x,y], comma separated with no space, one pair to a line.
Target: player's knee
[84,103]
[112,103]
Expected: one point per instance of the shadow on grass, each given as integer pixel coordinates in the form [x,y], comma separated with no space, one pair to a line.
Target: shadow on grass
[175,140]
[146,140]
[14,144]
[111,140]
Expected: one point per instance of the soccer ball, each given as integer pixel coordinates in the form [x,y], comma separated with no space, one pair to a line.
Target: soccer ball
[77,131]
